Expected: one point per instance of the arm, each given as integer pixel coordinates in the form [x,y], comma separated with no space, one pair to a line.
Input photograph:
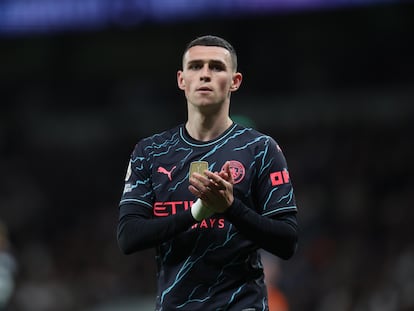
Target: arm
[137,230]
[276,235]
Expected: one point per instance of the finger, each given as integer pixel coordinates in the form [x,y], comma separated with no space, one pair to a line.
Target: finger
[198,180]
[212,176]
[228,171]
[199,193]
[194,190]
[215,181]
[202,184]
[202,178]
[225,172]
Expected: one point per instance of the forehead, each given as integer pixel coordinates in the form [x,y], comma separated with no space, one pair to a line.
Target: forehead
[207,53]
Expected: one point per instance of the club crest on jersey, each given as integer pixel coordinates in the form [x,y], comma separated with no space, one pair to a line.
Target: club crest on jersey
[237,170]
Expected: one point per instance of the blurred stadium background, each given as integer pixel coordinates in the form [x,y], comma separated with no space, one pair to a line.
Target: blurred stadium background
[82,81]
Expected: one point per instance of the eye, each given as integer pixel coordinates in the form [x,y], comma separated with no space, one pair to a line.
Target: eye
[217,67]
[194,66]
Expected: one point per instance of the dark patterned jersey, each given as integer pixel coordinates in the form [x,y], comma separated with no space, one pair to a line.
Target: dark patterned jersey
[210,266]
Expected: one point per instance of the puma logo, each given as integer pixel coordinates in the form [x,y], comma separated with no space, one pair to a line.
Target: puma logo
[164,171]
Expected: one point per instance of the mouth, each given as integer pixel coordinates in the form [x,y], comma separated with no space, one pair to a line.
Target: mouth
[204,89]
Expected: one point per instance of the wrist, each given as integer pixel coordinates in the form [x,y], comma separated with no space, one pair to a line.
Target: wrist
[234,209]
[199,211]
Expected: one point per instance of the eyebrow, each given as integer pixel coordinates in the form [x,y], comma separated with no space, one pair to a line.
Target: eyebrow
[210,62]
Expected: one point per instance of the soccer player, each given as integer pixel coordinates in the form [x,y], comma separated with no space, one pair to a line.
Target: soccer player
[208,195]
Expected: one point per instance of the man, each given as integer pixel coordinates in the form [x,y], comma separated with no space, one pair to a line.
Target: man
[208,194]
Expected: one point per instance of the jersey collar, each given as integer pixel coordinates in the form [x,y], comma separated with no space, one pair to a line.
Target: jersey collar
[196,143]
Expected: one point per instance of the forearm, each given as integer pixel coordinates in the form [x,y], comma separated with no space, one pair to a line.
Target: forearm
[137,231]
[277,236]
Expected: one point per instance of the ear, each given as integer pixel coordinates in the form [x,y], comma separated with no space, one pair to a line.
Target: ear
[180,80]
[236,81]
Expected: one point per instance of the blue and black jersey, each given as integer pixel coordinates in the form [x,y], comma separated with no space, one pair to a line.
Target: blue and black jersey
[213,264]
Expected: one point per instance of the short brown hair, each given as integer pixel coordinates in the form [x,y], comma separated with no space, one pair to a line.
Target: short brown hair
[210,40]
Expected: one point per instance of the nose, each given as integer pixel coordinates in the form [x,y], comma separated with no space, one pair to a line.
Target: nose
[205,74]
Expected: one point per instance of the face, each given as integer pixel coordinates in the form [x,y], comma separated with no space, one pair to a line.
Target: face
[208,77]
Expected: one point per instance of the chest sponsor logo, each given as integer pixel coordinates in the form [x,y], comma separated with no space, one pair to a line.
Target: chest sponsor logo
[210,223]
[164,209]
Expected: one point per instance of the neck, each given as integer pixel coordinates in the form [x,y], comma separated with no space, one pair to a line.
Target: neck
[203,128]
